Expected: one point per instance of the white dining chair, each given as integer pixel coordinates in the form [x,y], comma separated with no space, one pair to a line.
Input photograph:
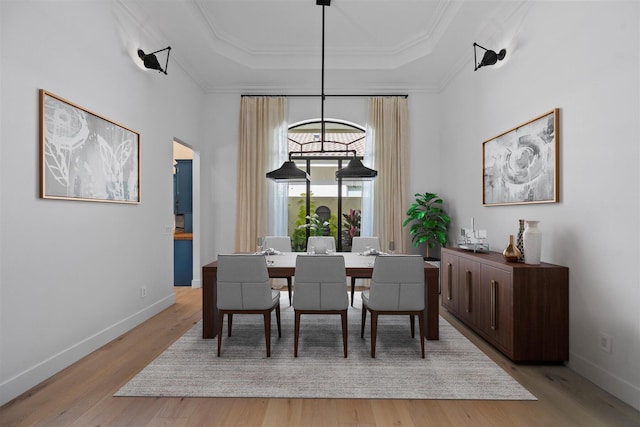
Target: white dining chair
[397,288]
[320,290]
[321,244]
[244,287]
[359,244]
[279,243]
[282,244]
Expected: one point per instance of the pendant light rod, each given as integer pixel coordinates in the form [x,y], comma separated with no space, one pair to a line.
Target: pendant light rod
[322,99]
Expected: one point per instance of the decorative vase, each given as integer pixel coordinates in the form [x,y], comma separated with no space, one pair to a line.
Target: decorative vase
[520,241]
[511,253]
[532,238]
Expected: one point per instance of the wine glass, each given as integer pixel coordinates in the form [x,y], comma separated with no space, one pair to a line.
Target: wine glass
[392,246]
[259,242]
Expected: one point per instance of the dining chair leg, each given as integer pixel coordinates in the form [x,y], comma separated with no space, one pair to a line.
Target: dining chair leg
[267,330]
[374,332]
[345,331]
[296,333]
[278,320]
[364,319]
[412,321]
[289,289]
[421,326]
[353,289]
[220,320]
[230,322]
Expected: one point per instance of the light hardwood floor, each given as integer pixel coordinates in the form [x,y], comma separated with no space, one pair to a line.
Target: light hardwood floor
[81,395]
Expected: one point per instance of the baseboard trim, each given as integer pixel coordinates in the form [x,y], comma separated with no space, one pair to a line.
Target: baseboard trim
[619,387]
[29,378]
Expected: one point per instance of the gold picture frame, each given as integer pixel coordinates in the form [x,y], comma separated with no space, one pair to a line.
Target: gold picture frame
[521,165]
[84,156]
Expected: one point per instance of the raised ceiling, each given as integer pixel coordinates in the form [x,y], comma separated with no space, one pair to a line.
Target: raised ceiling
[275,45]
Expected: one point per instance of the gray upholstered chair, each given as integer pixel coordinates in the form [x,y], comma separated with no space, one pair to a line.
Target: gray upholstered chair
[244,288]
[279,243]
[397,288]
[328,243]
[320,289]
[282,244]
[358,245]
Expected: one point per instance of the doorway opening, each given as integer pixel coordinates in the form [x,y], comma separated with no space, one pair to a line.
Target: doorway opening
[185,203]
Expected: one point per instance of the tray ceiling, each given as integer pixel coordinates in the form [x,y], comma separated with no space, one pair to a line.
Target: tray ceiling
[275,45]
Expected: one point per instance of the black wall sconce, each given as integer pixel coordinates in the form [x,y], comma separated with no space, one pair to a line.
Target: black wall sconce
[151,61]
[490,57]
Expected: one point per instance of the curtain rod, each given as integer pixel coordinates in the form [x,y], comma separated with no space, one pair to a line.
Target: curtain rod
[404,95]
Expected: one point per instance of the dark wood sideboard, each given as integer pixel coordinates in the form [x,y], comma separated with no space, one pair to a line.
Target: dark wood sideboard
[521,309]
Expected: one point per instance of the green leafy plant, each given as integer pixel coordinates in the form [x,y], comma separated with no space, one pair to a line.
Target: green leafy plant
[315,225]
[428,221]
[299,234]
[351,226]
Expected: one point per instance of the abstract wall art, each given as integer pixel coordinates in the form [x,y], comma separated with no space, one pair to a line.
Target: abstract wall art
[521,165]
[84,156]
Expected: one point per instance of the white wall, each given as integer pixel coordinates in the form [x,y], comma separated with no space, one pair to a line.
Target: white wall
[583,57]
[70,271]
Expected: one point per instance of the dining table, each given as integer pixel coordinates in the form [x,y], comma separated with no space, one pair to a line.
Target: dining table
[283,264]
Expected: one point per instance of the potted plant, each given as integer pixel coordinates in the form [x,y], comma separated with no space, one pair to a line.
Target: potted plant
[428,221]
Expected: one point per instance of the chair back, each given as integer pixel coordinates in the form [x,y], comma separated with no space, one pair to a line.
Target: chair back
[320,283]
[321,244]
[359,244]
[279,243]
[397,283]
[243,282]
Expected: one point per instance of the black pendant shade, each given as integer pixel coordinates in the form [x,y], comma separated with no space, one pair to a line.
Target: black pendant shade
[288,172]
[356,171]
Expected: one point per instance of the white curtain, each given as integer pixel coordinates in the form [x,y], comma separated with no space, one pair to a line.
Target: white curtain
[261,205]
[388,127]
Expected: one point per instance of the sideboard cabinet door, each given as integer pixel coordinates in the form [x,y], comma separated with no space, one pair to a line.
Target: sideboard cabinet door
[497,308]
[449,282]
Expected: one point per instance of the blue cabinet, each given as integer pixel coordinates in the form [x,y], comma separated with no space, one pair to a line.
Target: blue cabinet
[182,262]
[182,187]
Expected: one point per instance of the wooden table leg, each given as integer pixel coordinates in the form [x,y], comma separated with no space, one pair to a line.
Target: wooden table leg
[432,305]
[209,306]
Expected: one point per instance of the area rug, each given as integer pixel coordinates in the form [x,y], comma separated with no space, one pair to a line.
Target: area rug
[454,368]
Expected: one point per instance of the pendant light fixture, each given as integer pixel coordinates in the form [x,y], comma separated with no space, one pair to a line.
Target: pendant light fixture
[355,170]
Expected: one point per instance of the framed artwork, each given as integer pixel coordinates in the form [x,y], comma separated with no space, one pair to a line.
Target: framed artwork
[521,165]
[84,156]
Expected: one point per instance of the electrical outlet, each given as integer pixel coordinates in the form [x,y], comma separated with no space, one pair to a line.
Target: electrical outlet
[604,341]
[143,291]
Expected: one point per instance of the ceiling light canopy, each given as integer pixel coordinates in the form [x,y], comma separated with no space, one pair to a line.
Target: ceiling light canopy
[151,62]
[490,57]
[355,170]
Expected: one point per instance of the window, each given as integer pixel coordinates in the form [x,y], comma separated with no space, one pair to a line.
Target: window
[322,159]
